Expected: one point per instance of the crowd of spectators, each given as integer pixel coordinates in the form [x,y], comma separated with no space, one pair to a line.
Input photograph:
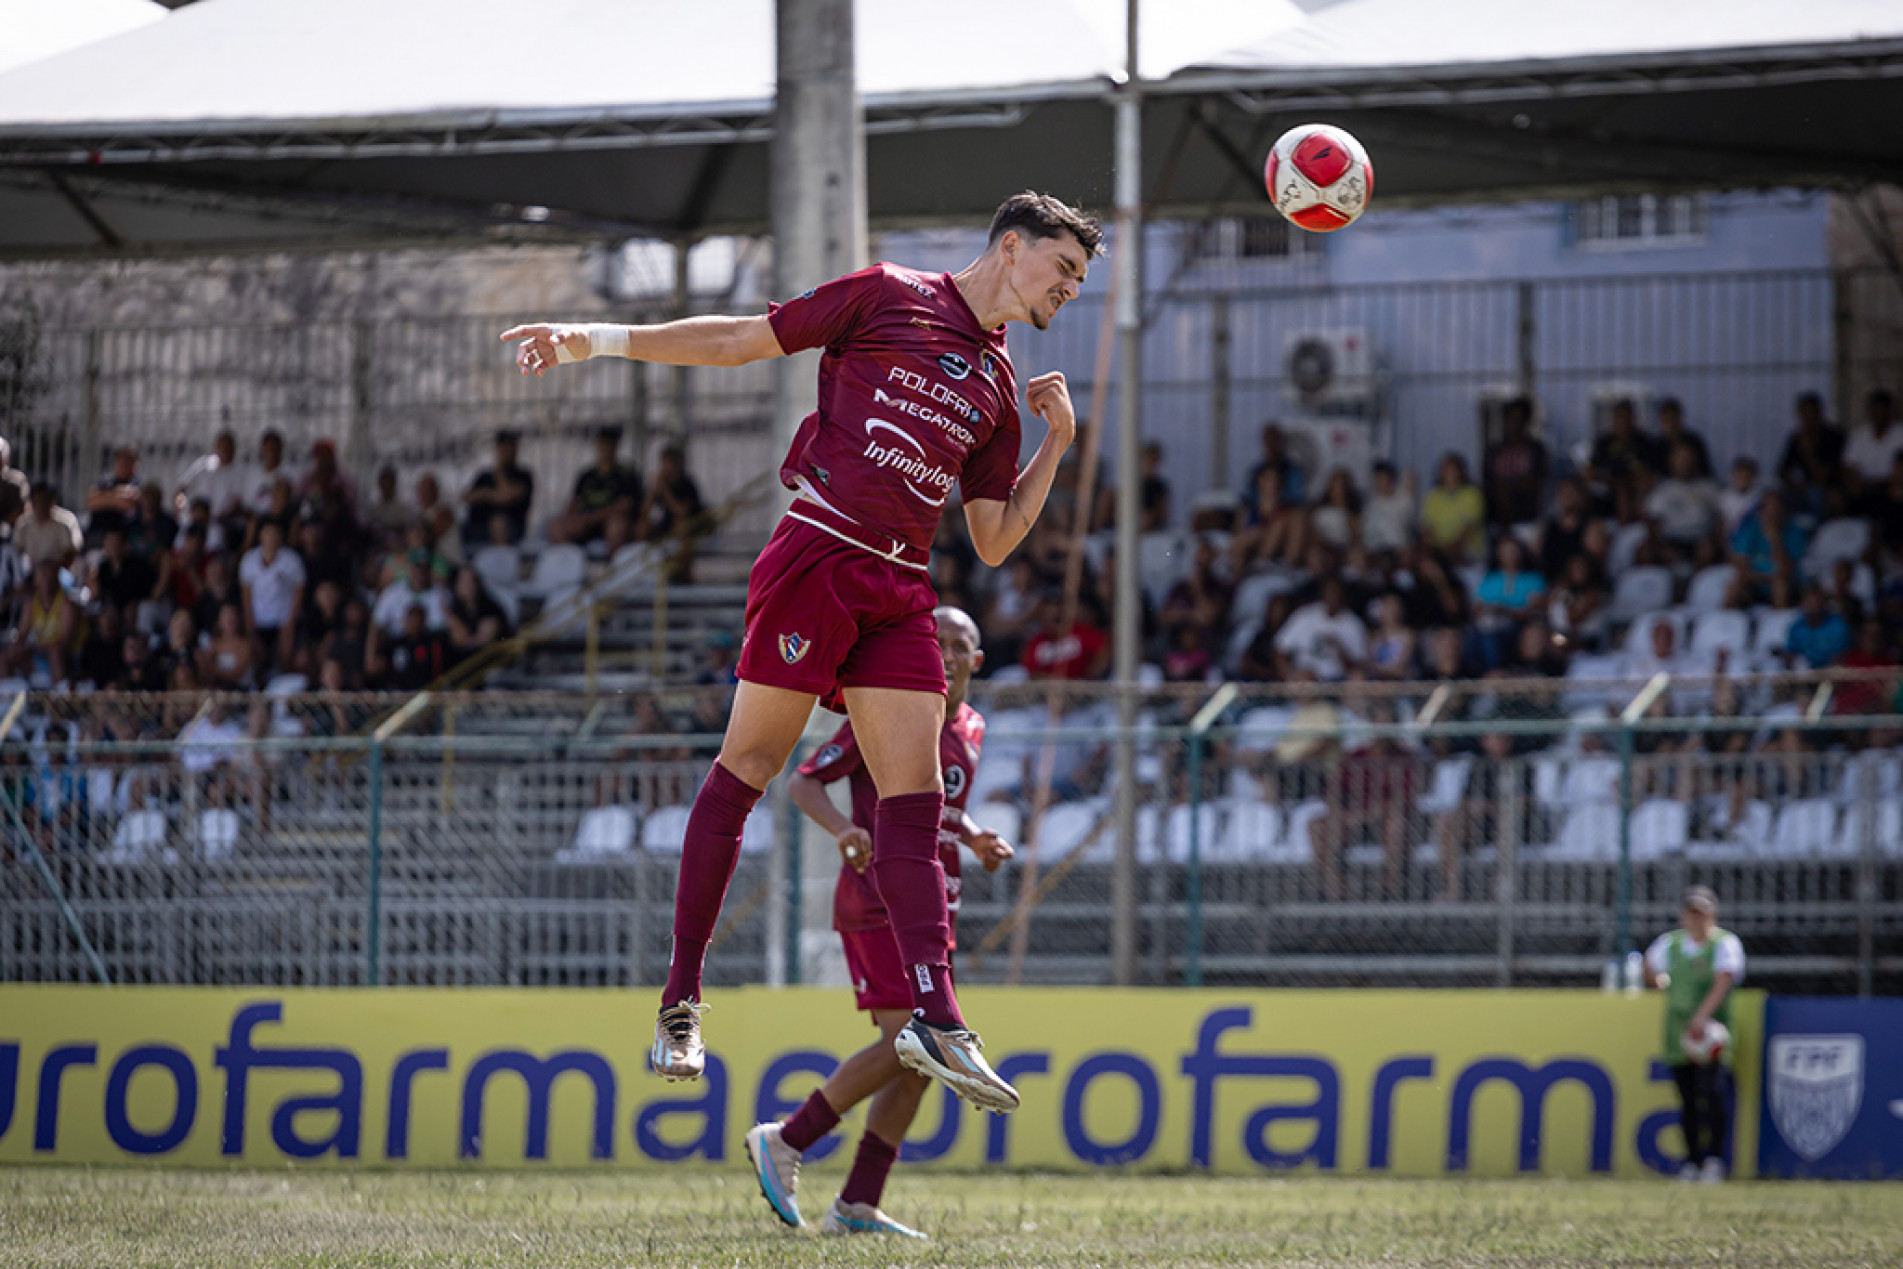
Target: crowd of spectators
[1304,576]
[254,571]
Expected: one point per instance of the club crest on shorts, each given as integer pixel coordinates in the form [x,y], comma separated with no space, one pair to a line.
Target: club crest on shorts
[793,648]
[1816,1088]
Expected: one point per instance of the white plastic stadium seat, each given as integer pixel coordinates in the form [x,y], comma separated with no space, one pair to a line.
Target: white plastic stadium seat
[604,830]
[1771,631]
[1875,773]
[1259,729]
[1638,637]
[1726,628]
[1002,818]
[1640,590]
[1176,831]
[1660,826]
[1592,779]
[1843,539]
[1254,831]
[100,787]
[499,569]
[140,834]
[217,832]
[1448,786]
[1063,826]
[1710,587]
[1591,682]
[559,572]
[1889,826]
[1805,827]
[1160,561]
[1626,541]
[1590,832]
[665,829]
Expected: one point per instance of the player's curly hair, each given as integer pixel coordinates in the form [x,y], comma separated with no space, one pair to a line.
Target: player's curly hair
[1042,216]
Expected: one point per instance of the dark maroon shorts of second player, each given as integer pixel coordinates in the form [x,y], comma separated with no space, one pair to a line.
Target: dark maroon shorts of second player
[879,978]
[824,614]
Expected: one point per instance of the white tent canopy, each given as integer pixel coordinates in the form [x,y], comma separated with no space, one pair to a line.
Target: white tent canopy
[333,122]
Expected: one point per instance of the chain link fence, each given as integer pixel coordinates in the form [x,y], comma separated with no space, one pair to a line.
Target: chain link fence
[1434,834]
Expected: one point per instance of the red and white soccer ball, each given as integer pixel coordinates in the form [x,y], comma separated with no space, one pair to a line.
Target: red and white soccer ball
[1319,177]
[1709,1045]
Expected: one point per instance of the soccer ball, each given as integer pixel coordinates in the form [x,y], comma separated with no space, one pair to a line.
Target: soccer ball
[1319,177]
[1708,1047]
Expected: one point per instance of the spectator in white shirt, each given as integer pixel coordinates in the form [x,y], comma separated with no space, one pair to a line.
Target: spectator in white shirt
[1685,505]
[272,579]
[1740,498]
[219,478]
[268,472]
[1388,518]
[47,531]
[1874,444]
[1322,641]
[417,586]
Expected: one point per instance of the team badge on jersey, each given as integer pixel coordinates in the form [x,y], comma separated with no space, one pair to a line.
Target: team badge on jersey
[793,648]
[989,365]
[954,365]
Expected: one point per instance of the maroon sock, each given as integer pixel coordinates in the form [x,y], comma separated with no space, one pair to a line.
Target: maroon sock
[708,855]
[911,884]
[813,1120]
[866,1182]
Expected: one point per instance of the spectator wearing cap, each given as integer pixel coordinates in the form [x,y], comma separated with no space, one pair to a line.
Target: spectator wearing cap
[115,499]
[1697,966]
[47,531]
[499,495]
[608,490]
[272,578]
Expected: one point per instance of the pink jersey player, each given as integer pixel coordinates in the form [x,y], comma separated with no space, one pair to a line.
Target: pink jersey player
[917,395]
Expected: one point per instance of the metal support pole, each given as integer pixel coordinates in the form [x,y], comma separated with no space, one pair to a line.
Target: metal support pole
[1868,804]
[373,936]
[677,395]
[1129,247]
[1221,378]
[1193,883]
[1629,719]
[47,879]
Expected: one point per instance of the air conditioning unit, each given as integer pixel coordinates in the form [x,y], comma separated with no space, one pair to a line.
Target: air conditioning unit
[1321,444]
[1329,368]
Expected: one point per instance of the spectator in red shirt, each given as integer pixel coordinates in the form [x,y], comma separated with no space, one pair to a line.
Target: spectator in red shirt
[1081,653]
[1867,694]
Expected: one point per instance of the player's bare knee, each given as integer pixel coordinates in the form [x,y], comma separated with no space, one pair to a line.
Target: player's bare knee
[752,766]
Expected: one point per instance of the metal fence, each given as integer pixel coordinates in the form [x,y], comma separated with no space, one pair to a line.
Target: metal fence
[1428,835]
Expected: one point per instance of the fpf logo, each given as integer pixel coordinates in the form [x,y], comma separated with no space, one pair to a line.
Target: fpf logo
[793,648]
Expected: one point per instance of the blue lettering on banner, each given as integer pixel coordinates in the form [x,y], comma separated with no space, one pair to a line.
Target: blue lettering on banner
[1533,1085]
[940,1143]
[396,1136]
[539,1075]
[184,1100]
[238,1058]
[1011,1070]
[1381,1103]
[769,1105]
[1149,1109]
[9,1084]
[711,1106]
[1325,1110]
[46,1118]
[1205,1066]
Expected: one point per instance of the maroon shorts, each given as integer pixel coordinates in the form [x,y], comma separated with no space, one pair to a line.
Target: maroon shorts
[824,615]
[878,976]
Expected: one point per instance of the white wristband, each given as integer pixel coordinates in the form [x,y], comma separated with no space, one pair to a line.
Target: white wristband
[605,339]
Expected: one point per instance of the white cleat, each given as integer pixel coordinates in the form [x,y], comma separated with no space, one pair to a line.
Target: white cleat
[862,1218]
[776,1166]
[678,1053]
[1713,1172]
[953,1059]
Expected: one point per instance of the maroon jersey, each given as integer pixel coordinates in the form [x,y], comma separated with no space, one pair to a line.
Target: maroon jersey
[856,904]
[913,396]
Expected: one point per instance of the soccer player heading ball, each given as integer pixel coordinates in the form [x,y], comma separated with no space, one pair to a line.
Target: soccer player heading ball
[916,393]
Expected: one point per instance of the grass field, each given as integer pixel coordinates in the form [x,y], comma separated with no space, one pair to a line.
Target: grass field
[78,1217]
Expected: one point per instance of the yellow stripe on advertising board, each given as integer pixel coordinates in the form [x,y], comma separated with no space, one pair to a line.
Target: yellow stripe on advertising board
[1483,1083]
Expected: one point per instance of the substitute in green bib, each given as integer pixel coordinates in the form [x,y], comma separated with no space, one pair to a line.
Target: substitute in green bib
[1697,966]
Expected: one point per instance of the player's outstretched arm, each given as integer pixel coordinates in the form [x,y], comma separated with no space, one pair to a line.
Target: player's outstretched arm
[690,341]
[998,526]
